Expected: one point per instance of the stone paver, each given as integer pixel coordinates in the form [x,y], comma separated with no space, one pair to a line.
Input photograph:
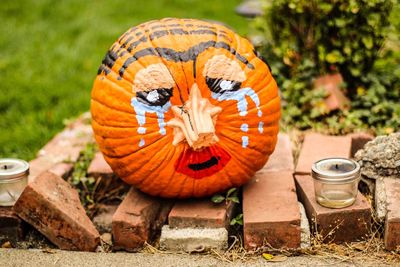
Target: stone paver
[200,213]
[392,222]
[138,219]
[337,225]
[12,228]
[270,211]
[317,146]
[99,167]
[53,207]
[193,239]
[305,228]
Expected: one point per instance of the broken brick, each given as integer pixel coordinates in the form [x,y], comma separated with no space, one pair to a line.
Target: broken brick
[331,84]
[12,228]
[53,207]
[138,220]
[392,220]
[99,167]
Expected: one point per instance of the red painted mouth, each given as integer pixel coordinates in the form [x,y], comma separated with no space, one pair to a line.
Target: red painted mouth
[202,163]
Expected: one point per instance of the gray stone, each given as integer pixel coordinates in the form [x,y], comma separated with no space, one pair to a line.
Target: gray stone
[380,157]
[305,240]
[380,199]
[368,183]
[193,239]
[250,8]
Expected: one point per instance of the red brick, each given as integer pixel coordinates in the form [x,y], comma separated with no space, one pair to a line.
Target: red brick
[345,225]
[358,140]
[331,84]
[271,212]
[392,220]
[282,158]
[59,154]
[99,167]
[12,228]
[103,219]
[53,207]
[138,219]
[317,146]
[62,169]
[201,213]
[39,165]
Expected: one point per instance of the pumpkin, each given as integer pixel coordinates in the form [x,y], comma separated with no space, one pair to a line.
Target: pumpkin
[184,108]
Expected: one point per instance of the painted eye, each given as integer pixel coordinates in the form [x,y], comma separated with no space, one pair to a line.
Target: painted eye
[155,97]
[220,86]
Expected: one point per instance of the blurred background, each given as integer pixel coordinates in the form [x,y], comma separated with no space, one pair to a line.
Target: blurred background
[50,52]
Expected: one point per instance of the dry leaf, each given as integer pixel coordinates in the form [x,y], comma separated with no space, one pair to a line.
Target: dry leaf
[6,245]
[267,256]
[278,258]
[48,250]
[359,246]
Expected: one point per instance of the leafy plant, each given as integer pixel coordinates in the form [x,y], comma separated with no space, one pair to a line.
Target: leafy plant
[358,38]
[232,195]
[103,189]
[237,220]
[79,177]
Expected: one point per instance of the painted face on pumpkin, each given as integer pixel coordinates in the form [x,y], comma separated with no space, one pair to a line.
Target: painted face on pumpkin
[154,87]
[183,108]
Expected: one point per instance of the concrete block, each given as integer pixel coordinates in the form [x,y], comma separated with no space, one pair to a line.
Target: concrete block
[193,239]
[305,237]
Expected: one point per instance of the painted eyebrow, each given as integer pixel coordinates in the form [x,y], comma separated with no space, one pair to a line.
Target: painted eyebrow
[176,56]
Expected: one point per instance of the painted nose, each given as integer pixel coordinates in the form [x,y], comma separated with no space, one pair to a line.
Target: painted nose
[194,122]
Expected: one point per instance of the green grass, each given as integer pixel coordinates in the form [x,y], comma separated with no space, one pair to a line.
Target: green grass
[50,52]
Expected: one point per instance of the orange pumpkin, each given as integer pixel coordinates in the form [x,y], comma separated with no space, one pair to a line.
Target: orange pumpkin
[184,108]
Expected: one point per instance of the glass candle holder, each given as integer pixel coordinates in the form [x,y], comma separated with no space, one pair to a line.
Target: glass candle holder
[13,180]
[336,182]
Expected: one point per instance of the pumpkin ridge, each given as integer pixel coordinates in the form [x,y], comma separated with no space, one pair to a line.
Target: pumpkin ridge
[119,87]
[110,107]
[131,153]
[168,156]
[165,138]
[152,123]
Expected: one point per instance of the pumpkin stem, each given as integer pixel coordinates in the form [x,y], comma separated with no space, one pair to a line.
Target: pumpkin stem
[194,121]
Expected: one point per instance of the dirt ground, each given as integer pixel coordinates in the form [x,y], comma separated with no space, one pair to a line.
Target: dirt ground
[42,258]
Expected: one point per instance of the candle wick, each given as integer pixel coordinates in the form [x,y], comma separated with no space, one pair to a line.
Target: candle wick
[336,166]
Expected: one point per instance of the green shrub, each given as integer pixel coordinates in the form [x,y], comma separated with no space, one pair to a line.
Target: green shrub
[305,39]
